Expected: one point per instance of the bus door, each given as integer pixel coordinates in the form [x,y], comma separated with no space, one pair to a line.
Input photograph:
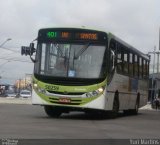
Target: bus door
[111,60]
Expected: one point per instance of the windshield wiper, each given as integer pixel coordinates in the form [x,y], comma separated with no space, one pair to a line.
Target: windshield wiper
[83,49]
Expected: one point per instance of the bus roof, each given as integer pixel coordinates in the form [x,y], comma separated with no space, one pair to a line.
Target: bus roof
[71,28]
[129,46]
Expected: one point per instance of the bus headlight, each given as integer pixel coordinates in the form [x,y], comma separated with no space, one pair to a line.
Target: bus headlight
[101,90]
[40,90]
[95,93]
[35,85]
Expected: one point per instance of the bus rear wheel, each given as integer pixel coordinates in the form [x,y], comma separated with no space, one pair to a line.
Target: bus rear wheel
[132,111]
[115,110]
[52,111]
[135,111]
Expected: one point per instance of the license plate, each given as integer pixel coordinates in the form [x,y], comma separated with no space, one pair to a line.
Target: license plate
[64,100]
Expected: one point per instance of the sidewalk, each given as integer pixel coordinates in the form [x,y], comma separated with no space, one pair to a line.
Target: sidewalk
[147,107]
[4,100]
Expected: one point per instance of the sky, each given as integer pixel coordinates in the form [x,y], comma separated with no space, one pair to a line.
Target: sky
[137,22]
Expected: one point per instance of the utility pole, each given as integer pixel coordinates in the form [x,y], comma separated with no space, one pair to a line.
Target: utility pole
[159,38]
[158,53]
[154,53]
[152,88]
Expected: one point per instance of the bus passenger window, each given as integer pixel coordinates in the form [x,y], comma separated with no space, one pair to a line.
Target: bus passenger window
[131,64]
[125,63]
[140,67]
[119,61]
[135,66]
[145,69]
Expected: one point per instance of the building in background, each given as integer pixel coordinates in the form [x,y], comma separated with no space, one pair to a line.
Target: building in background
[154,86]
[154,78]
[25,83]
[7,88]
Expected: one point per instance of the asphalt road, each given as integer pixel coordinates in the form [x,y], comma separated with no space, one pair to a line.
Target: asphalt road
[30,122]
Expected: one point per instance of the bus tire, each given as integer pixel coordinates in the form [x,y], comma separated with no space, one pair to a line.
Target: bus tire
[52,111]
[135,111]
[115,109]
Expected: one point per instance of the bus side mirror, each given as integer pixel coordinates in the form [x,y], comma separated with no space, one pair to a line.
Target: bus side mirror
[28,50]
[25,50]
[32,49]
[31,45]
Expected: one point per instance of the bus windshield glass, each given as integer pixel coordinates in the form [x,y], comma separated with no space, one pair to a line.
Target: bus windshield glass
[71,60]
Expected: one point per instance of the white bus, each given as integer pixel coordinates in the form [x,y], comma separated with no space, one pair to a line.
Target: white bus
[87,70]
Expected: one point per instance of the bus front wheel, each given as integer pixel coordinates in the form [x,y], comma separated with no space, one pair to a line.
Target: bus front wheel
[135,111]
[52,111]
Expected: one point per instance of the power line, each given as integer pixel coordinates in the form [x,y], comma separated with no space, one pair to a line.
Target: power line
[12,59]
[3,63]
[15,51]
[16,60]
[7,56]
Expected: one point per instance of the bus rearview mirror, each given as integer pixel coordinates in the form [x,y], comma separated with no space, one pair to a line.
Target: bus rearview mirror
[25,50]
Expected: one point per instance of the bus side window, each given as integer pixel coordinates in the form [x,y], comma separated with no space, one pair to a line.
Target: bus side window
[144,68]
[119,60]
[147,68]
[140,67]
[125,63]
[135,65]
[130,64]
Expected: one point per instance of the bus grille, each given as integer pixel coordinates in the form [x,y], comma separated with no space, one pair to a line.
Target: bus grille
[67,93]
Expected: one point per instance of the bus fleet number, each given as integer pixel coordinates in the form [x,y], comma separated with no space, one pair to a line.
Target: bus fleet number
[52,88]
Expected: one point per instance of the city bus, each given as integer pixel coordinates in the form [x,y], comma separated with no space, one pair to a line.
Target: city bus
[77,69]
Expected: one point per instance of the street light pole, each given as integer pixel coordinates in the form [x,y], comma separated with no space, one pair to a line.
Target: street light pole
[5,42]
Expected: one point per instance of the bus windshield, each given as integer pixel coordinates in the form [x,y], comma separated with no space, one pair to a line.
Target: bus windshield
[70,60]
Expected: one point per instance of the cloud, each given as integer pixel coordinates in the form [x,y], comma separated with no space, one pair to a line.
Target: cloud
[135,21]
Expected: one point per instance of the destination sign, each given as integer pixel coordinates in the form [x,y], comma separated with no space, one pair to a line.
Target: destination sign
[71,35]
